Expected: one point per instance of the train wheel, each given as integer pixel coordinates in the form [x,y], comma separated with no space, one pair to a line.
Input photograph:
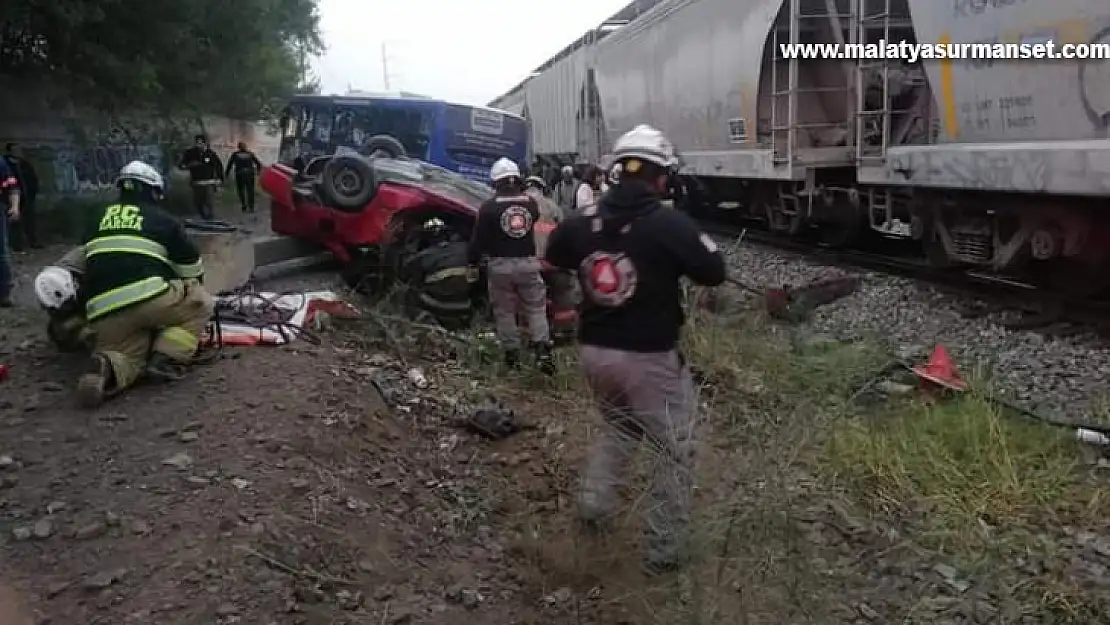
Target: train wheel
[845,226]
[780,221]
[935,254]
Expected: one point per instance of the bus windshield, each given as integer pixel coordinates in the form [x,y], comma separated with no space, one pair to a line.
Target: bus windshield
[460,138]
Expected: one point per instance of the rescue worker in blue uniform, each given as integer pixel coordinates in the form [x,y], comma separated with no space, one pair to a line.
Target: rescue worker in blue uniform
[438,277]
[505,233]
[630,254]
[143,283]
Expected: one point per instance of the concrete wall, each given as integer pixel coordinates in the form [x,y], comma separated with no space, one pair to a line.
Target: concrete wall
[78,151]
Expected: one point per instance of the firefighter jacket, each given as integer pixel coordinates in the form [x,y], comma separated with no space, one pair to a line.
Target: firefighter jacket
[132,251]
[439,276]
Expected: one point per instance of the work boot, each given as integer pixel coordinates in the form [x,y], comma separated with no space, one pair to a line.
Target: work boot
[161,368]
[93,385]
[545,360]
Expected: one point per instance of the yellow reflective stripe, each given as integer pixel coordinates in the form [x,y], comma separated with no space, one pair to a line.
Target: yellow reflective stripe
[192,270]
[124,296]
[443,274]
[125,244]
[180,337]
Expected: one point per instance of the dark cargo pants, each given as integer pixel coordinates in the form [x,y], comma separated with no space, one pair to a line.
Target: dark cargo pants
[204,199]
[244,187]
[515,284]
[643,397]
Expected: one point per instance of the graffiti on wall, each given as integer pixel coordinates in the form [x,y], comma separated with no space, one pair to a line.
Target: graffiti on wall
[72,170]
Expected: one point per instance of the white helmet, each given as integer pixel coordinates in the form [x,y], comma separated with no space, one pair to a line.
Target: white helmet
[645,143]
[568,170]
[54,286]
[502,169]
[142,173]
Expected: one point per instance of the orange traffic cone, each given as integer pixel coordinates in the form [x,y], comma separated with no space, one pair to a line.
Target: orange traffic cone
[940,370]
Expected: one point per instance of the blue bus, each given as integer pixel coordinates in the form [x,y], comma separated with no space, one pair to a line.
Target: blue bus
[461,138]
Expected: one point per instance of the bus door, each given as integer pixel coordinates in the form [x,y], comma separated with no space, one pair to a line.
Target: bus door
[306,130]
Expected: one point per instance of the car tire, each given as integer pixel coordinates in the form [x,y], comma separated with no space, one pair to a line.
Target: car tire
[348,182]
[383,146]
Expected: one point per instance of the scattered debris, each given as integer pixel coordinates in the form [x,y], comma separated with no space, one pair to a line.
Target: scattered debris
[493,421]
[416,376]
[179,461]
[796,304]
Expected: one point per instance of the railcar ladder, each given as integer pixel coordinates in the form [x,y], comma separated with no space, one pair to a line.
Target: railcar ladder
[785,129]
[872,25]
[784,133]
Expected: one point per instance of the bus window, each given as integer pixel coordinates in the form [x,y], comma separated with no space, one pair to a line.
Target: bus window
[318,123]
[354,125]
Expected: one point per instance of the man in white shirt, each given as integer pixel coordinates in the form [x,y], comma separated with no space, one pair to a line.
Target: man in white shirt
[590,189]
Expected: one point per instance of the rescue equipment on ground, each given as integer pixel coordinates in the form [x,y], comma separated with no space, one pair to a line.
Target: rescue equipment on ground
[247,317]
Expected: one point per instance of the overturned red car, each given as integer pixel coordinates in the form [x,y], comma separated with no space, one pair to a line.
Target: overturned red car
[369,212]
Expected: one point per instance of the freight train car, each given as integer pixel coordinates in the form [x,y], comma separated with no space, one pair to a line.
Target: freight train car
[995,164]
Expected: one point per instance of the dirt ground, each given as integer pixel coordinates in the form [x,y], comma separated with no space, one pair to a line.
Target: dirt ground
[318,484]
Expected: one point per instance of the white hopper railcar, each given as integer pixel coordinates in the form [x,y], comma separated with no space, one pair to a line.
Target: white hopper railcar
[993,163]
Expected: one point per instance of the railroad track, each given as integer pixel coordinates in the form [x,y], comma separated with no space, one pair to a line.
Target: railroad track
[1030,307]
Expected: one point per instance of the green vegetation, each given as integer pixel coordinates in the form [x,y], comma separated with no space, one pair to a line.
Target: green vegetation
[821,502]
[178,58]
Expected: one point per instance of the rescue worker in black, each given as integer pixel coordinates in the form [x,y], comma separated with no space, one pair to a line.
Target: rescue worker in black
[438,277]
[505,233]
[206,173]
[247,167]
[630,254]
[143,282]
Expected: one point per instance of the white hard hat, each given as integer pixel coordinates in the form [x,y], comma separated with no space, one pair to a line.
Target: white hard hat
[435,223]
[535,181]
[647,144]
[503,168]
[54,286]
[141,172]
[567,169]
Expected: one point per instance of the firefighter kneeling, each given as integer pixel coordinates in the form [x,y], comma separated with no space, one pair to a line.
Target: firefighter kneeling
[145,301]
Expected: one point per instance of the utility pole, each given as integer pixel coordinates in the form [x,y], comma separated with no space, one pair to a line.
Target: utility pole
[385,68]
[304,65]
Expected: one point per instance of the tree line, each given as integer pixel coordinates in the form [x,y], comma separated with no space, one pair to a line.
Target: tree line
[238,58]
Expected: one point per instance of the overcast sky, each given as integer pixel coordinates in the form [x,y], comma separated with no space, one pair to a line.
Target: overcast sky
[470,51]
